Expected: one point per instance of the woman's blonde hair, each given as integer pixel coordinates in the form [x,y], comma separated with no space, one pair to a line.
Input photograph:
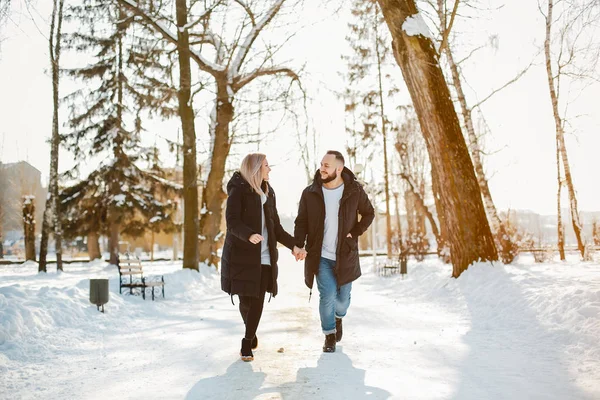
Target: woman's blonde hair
[251,171]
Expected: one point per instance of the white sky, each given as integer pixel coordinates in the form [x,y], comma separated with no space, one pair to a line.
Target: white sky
[522,165]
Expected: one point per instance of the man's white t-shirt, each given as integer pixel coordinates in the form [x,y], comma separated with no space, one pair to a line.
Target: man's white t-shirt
[332,199]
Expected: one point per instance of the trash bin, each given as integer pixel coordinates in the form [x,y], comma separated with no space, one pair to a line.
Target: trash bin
[99,292]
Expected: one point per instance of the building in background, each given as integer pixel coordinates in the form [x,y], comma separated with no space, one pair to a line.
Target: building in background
[17,180]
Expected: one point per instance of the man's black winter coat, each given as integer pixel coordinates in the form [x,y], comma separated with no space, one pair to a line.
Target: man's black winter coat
[310,225]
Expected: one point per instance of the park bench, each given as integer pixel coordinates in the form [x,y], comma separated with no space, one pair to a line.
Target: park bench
[131,276]
[394,265]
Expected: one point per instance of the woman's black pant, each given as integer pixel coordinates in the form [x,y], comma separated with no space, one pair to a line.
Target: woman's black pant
[251,307]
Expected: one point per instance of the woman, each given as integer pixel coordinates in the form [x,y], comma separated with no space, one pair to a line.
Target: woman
[249,260]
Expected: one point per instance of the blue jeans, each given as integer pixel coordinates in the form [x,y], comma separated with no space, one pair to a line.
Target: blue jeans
[333,301]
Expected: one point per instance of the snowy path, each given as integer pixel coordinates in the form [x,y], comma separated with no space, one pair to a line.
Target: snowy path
[523,332]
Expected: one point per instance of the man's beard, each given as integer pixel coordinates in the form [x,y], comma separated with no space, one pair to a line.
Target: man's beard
[329,177]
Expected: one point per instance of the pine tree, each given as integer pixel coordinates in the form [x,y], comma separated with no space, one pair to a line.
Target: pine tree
[125,82]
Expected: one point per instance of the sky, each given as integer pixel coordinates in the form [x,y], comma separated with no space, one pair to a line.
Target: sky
[520,161]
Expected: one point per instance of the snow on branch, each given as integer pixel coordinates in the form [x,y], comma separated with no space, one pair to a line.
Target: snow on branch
[248,11]
[167,183]
[246,79]
[202,17]
[245,48]
[203,63]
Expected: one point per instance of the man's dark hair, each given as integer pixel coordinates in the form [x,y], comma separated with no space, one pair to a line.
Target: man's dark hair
[338,156]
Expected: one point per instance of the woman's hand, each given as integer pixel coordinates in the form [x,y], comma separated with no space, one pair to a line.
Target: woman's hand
[299,254]
[256,238]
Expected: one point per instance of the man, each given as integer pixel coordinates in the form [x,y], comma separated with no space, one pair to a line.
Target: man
[328,215]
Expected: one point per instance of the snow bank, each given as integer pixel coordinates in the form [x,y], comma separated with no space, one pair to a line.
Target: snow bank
[515,310]
[29,313]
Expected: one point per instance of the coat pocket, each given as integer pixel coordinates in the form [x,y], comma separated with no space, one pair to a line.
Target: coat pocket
[350,244]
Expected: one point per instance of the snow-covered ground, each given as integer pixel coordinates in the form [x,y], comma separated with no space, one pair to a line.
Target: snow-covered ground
[526,331]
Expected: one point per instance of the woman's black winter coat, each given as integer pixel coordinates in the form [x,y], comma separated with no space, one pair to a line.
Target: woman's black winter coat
[241,260]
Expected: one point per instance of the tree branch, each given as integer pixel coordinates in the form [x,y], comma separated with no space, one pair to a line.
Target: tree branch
[246,79]
[447,31]
[202,63]
[245,48]
[248,11]
[516,78]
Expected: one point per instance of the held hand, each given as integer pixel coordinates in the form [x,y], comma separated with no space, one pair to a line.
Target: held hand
[299,254]
[349,235]
[256,238]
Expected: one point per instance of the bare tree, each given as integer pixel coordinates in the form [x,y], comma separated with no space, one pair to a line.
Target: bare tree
[186,114]
[458,198]
[367,38]
[51,219]
[573,54]
[232,70]
[446,21]
[414,167]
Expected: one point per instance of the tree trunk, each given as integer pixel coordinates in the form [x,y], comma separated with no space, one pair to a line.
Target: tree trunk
[417,199]
[577,226]
[210,223]
[56,142]
[410,214]
[186,114]
[51,219]
[398,223]
[496,224]
[46,227]
[560,140]
[113,242]
[175,246]
[152,246]
[469,234]
[388,216]
[559,224]
[29,227]
[93,245]
[115,186]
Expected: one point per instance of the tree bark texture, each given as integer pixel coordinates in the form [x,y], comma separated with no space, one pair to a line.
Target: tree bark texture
[214,194]
[186,114]
[469,236]
[560,141]
[29,227]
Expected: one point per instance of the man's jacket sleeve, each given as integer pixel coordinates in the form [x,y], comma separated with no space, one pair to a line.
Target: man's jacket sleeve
[367,214]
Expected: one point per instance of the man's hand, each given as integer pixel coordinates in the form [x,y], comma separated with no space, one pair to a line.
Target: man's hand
[349,235]
[256,238]
[299,254]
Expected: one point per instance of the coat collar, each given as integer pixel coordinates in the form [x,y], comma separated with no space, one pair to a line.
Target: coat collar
[350,182]
[237,180]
